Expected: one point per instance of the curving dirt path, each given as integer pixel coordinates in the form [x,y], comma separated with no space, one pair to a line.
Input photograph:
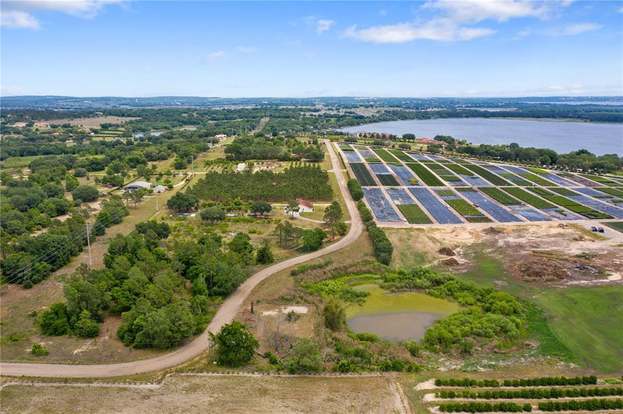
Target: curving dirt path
[224,315]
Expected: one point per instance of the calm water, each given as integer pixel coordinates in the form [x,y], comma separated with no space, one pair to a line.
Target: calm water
[398,326]
[561,136]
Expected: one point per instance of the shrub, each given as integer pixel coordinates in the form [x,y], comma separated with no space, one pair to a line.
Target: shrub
[334,315]
[304,358]
[85,193]
[412,347]
[39,350]
[54,321]
[85,326]
[355,189]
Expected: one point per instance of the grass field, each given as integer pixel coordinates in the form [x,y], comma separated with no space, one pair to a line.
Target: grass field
[413,213]
[424,174]
[588,321]
[19,162]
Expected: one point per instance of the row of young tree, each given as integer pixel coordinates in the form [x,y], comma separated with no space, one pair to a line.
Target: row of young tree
[532,393]
[485,407]
[306,181]
[381,245]
[596,404]
[518,382]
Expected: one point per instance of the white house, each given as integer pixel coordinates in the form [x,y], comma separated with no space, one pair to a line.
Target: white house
[305,206]
[137,185]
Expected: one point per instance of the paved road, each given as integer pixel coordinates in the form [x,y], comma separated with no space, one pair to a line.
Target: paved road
[225,314]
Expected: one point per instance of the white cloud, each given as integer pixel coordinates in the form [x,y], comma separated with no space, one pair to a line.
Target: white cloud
[436,29]
[455,21]
[479,10]
[576,29]
[19,13]
[217,55]
[323,25]
[319,25]
[18,19]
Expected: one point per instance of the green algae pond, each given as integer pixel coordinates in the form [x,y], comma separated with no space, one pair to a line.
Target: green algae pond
[396,316]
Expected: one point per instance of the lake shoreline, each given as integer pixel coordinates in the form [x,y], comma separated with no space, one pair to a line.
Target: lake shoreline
[561,135]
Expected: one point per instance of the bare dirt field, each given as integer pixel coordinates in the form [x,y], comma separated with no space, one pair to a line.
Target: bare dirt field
[92,122]
[548,252]
[211,394]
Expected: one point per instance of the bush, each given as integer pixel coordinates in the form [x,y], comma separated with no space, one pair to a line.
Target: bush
[235,345]
[54,321]
[39,350]
[85,326]
[304,358]
[413,348]
[85,193]
[312,239]
[212,214]
[334,315]
[264,254]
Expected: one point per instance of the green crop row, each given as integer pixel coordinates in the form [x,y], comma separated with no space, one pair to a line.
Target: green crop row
[413,213]
[499,196]
[401,155]
[467,210]
[363,175]
[425,175]
[525,196]
[569,204]
[523,382]
[487,175]
[386,156]
[387,180]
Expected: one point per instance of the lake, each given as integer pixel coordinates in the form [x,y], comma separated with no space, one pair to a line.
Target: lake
[561,136]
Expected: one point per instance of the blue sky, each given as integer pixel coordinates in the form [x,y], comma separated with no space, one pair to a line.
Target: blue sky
[232,49]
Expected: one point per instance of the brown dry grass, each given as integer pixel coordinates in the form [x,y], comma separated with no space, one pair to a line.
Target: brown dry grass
[214,395]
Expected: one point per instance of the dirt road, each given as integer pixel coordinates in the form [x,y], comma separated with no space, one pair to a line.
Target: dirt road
[225,314]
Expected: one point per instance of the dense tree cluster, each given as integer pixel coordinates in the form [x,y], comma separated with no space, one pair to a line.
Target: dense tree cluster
[147,287]
[581,160]
[32,258]
[305,181]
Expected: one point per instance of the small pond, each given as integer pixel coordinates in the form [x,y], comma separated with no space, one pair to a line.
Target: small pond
[397,316]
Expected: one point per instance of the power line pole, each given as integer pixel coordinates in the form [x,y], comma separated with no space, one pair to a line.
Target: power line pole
[89,246]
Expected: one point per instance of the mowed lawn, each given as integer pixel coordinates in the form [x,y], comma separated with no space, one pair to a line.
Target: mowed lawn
[589,321]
